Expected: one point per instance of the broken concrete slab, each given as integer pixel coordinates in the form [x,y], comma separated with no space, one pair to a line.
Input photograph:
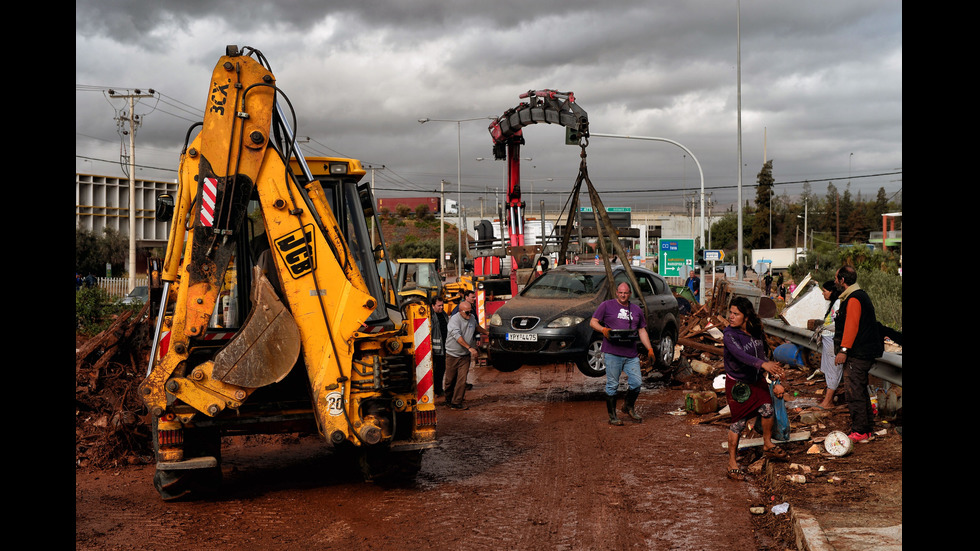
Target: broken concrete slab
[752,442]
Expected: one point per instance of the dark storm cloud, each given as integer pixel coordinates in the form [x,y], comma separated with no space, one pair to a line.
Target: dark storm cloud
[819,80]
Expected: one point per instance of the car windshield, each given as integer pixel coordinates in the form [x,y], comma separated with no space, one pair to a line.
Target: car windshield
[556,284]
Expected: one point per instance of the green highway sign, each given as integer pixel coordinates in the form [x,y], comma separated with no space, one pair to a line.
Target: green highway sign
[675,253]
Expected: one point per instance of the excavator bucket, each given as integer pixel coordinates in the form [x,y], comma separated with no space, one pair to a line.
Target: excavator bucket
[266,347]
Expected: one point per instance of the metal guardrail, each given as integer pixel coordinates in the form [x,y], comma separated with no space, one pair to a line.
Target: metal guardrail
[888,367]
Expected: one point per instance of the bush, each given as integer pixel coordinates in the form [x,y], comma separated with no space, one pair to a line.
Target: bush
[886,295]
[94,310]
[877,274]
[422,212]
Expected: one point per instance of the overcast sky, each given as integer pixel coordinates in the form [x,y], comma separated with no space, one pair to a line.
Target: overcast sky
[821,89]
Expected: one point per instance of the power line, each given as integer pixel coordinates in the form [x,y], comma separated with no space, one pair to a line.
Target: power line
[116,162]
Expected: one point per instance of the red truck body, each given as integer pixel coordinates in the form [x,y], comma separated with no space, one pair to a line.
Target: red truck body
[393,203]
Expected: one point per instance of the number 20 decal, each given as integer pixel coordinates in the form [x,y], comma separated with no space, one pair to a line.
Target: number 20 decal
[335,404]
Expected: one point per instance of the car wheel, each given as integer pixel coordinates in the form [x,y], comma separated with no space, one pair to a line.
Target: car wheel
[593,364]
[503,362]
[665,350]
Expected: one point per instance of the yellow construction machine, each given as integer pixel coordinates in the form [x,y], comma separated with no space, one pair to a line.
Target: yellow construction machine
[272,317]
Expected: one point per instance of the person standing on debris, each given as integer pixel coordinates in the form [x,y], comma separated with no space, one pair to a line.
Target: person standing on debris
[746,363]
[460,348]
[768,281]
[694,284]
[828,362]
[440,328]
[613,318]
[859,343]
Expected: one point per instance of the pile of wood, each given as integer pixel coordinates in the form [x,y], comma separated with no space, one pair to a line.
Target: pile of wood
[701,332]
[109,414]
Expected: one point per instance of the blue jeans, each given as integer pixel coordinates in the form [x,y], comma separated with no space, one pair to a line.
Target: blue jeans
[615,366]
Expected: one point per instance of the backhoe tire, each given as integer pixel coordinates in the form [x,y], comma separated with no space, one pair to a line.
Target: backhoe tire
[386,467]
[189,484]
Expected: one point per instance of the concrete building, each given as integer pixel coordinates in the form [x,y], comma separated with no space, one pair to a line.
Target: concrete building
[103,202]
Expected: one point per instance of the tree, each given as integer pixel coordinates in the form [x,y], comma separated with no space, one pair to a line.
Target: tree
[828,220]
[845,206]
[724,232]
[761,235]
[93,252]
[858,228]
[879,208]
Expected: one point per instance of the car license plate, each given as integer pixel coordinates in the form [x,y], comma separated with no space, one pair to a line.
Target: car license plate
[524,337]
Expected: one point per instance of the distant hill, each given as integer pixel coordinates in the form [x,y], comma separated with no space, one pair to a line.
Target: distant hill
[398,231]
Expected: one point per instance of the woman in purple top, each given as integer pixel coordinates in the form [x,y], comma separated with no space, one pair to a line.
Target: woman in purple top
[745,358]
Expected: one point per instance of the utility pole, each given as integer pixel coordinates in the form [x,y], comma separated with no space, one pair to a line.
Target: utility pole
[133,120]
[708,204]
[374,207]
[442,225]
[692,203]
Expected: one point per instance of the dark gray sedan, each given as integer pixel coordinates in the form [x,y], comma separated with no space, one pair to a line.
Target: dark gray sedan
[549,321]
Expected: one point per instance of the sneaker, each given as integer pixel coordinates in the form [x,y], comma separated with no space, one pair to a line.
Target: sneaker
[859,437]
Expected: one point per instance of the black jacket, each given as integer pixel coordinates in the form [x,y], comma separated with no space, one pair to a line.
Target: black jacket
[440,322]
[868,343]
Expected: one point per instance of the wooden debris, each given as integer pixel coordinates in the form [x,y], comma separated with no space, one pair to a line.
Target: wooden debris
[109,429]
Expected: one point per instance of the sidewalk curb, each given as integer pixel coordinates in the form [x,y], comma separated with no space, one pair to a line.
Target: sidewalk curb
[809,535]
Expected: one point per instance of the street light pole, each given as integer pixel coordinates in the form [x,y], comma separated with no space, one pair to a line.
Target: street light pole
[459,185]
[701,172]
[738,79]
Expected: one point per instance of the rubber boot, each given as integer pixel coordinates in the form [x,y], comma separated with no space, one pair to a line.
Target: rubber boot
[629,404]
[611,408]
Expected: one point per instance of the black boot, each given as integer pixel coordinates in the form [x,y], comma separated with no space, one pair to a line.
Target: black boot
[629,405]
[611,408]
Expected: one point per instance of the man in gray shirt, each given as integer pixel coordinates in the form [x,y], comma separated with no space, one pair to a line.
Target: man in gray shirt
[461,345]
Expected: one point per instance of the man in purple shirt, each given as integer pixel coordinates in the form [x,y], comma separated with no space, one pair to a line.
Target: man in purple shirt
[620,354]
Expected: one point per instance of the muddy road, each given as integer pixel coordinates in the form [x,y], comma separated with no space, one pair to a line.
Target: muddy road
[533,464]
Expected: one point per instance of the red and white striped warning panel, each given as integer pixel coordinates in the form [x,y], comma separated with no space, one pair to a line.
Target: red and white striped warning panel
[423,361]
[207,202]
